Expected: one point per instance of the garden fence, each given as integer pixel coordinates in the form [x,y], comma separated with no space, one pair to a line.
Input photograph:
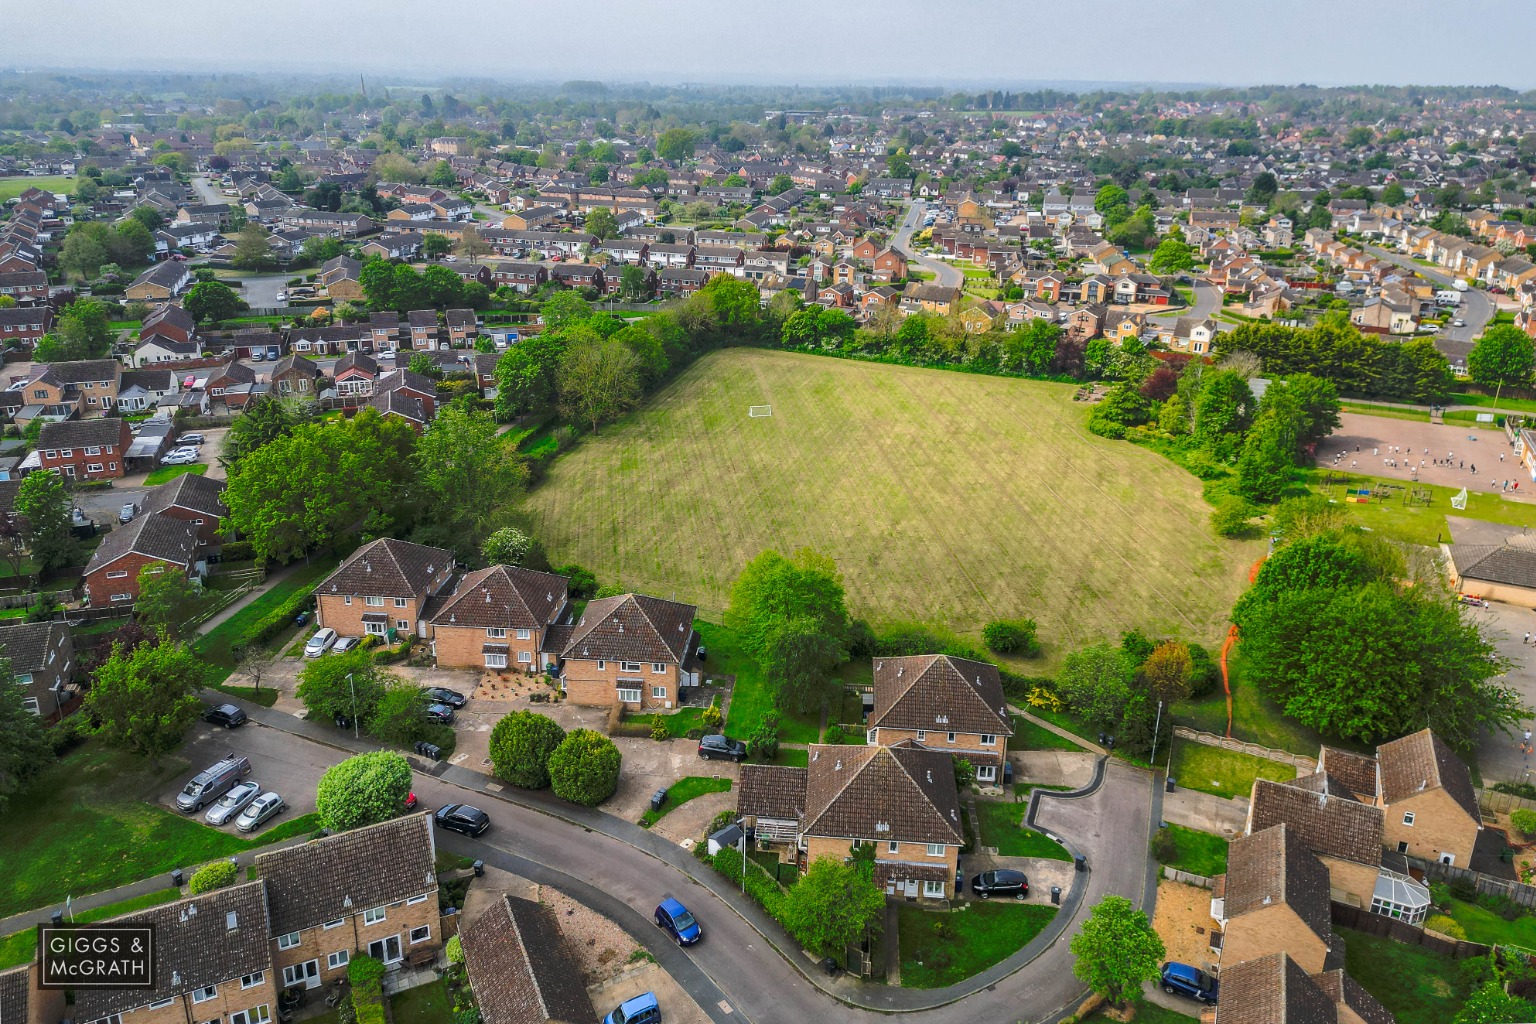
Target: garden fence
[1188,878]
[1502,803]
[1518,893]
[1305,764]
[1362,920]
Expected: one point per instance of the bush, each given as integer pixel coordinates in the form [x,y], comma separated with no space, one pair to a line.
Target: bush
[366,975]
[659,728]
[1524,820]
[764,741]
[1464,889]
[712,716]
[363,790]
[834,734]
[454,950]
[391,655]
[1525,790]
[583,584]
[860,640]
[401,715]
[1445,926]
[584,768]
[274,622]
[1165,848]
[237,551]
[763,890]
[213,876]
[521,744]
[1231,516]
[909,638]
[1011,636]
[1206,676]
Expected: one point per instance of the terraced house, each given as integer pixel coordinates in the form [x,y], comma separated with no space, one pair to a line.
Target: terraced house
[948,704]
[497,618]
[84,449]
[383,586]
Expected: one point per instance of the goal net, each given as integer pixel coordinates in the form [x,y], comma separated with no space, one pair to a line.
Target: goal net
[756,411]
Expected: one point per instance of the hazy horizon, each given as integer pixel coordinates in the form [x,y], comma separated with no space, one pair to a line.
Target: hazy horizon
[1185,44]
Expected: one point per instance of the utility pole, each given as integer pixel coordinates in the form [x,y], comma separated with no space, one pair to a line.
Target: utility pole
[353,687]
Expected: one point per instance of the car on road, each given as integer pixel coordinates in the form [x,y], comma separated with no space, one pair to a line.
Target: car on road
[1002,882]
[323,640]
[462,818]
[282,296]
[345,644]
[443,695]
[127,512]
[674,919]
[232,803]
[192,440]
[260,811]
[1183,980]
[642,1009]
[227,715]
[716,746]
[1458,323]
[440,713]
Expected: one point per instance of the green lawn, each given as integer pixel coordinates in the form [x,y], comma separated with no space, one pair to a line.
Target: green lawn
[1486,402]
[999,821]
[165,473]
[680,723]
[752,698]
[1489,928]
[1418,986]
[1386,411]
[1223,772]
[930,489]
[45,854]
[683,790]
[10,188]
[1146,1013]
[966,941]
[1255,717]
[1422,524]
[21,947]
[424,1004]
[1199,853]
[214,645]
[1029,736]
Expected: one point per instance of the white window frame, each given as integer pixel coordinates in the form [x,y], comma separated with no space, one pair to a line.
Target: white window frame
[404,624]
[629,666]
[496,632]
[933,890]
[374,602]
[869,736]
[425,932]
[628,694]
[922,734]
[1408,818]
[951,738]
[373,915]
[399,602]
[376,628]
[525,657]
[340,958]
[415,900]
[495,660]
[117,574]
[288,941]
[30,704]
[935,849]
[893,846]
[658,668]
[160,1004]
[525,634]
[986,773]
[252,980]
[328,925]
[346,599]
[601,665]
[202,995]
[93,467]
[989,739]
[658,693]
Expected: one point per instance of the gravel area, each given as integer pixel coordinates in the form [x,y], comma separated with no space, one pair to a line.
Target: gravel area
[1183,921]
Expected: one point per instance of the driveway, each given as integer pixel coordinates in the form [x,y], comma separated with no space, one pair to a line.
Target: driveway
[943,273]
[277,762]
[1477,306]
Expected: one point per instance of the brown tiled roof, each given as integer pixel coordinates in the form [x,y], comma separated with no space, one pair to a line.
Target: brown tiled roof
[632,627]
[772,791]
[520,968]
[194,947]
[388,567]
[349,872]
[188,491]
[1272,989]
[166,538]
[15,986]
[1327,822]
[1343,989]
[504,595]
[1421,761]
[939,692]
[904,793]
[1357,771]
[398,403]
[1272,867]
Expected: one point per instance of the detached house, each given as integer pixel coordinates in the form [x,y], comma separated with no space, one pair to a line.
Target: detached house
[160,283]
[382,588]
[948,704]
[372,890]
[497,618]
[42,660]
[901,800]
[630,649]
[296,376]
[192,499]
[1274,899]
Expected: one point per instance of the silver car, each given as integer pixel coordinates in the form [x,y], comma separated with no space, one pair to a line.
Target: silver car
[231,803]
[259,811]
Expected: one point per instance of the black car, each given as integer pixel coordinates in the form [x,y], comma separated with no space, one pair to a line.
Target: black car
[227,715]
[440,713]
[718,746]
[1002,882]
[471,821]
[443,695]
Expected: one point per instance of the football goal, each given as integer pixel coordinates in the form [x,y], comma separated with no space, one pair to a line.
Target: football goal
[756,411]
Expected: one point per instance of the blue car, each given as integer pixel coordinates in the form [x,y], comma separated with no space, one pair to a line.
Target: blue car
[1184,980]
[673,918]
[642,1009]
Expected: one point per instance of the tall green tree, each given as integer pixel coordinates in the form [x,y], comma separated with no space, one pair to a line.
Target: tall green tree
[526,375]
[1268,454]
[466,472]
[675,144]
[1116,950]
[598,379]
[602,223]
[24,748]
[832,906]
[564,309]
[328,693]
[1095,682]
[213,301]
[264,420]
[773,590]
[1172,256]
[142,700]
[1503,355]
[253,249]
[82,332]
[1223,411]
[166,599]
[363,790]
[44,508]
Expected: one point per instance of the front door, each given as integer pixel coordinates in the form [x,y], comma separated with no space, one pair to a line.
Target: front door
[911,888]
[386,949]
[306,974]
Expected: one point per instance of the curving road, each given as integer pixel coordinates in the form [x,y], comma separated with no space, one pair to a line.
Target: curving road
[1477,306]
[943,273]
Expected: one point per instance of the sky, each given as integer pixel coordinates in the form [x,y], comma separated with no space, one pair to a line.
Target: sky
[795,42]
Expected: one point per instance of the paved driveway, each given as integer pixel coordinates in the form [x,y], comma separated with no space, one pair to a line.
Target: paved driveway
[278,762]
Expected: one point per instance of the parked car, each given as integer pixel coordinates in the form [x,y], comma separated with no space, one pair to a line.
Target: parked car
[443,695]
[718,746]
[227,715]
[282,296]
[345,644]
[674,919]
[440,713]
[1458,323]
[127,512]
[260,811]
[1003,882]
[212,782]
[192,439]
[1184,980]
[232,803]
[323,640]
[179,457]
[462,818]
[642,1009]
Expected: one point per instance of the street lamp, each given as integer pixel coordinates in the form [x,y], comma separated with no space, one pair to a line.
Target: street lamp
[741,842]
[353,687]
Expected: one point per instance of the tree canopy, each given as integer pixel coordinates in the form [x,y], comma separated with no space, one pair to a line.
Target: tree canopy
[832,905]
[142,699]
[1116,950]
[520,746]
[363,790]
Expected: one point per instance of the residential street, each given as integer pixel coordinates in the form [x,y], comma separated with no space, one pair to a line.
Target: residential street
[1477,307]
[944,273]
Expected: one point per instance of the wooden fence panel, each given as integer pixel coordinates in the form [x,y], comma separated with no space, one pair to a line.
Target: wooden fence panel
[1303,764]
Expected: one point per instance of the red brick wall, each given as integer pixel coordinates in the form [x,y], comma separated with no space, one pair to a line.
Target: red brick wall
[101,584]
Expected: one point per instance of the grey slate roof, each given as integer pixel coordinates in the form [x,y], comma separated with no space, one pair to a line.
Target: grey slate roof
[504,595]
[387,567]
[26,644]
[81,433]
[1341,988]
[941,693]
[347,873]
[632,627]
[164,537]
[15,987]
[1357,771]
[521,969]
[188,491]
[1496,563]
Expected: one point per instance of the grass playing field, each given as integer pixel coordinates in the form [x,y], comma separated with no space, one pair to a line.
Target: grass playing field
[943,497]
[10,188]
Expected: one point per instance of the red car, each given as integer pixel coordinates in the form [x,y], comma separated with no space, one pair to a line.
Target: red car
[410,801]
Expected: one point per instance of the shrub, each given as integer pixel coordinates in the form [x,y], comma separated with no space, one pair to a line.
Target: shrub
[1011,636]
[454,950]
[391,655]
[366,975]
[834,734]
[1230,517]
[1206,674]
[764,741]
[1464,889]
[1526,790]
[658,728]
[238,551]
[1445,926]
[763,890]
[401,715]
[1524,820]
[965,772]
[712,716]
[1165,848]
[584,768]
[363,790]
[521,745]
[275,621]
[213,876]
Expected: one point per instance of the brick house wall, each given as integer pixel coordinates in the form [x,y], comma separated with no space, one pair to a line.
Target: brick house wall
[344,613]
[1350,882]
[230,998]
[595,684]
[207,525]
[119,576]
[98,397]
[103,462]
[465,647]
[964,744]
[1276,928]
[1439,827]
[351,936]
[817,847]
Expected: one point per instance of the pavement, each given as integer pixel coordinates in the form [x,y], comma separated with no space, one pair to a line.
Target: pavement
[1206,812]
[943,273]
[1367,441]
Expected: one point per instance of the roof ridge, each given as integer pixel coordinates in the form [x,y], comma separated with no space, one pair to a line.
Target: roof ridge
[952,827]
[874,752]
[533,976]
